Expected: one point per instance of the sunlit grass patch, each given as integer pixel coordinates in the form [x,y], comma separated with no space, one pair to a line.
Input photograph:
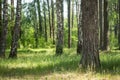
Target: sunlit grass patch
[43,63]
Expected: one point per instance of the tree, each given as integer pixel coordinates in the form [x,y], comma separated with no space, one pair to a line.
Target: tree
[16,31]
[53,25]
[49,18]
[44,9]
[4,29]
[119,26]
[106,26]
[79,43]
[100,23]
[0,17]
[69,24]
[90,54]
[59,41]
[12,10]
[40,17]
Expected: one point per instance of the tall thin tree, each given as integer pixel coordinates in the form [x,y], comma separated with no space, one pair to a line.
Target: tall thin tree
[16,31]
[4,29]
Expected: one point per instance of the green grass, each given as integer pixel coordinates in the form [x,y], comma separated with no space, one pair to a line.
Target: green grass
[44,65]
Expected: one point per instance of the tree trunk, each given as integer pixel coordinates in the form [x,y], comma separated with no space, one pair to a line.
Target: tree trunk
[106,26]
[53,25]
[119,27]
[44,4]
[49,18]
[90,55]
[59,41]
[0,17]
[12,10]
[16,31]
[40,17]
[100,24]
[4,29]
[69,24]
[72,14]
[79,43]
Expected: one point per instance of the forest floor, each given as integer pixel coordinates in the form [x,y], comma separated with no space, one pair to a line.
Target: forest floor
[43,64]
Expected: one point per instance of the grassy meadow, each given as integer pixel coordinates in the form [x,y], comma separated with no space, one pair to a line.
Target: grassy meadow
[43,64]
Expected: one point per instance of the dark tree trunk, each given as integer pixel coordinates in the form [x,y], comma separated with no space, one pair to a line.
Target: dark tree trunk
[40,17]
[100,23]
[119,27]
[79,43]
[44,4]
[16,31]
[72,14]
[53,25]
[49,18]
[69,26]
[4,29]
[90,55]
[59,41]
[106,26]
[0,17]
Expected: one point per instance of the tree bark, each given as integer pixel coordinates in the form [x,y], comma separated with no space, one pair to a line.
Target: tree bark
[49,18]
[90,55]
[4,29]
[12,10]
[106,26]
[16,31]
[44,4]
[59,41]
[53,21]
[69,24]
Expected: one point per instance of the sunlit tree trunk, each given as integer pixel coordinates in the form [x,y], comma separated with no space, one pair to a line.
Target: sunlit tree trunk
[90,55]
[16,31]
[72,14]
[49,18]
[59,41]
[4,29]
[12,10]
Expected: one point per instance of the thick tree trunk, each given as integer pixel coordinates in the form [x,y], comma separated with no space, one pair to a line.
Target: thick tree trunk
[53,22]
[44,4]
[100,23]
[90,55]
[16,31]
[40,17]
[106,26]
[49,19]
[4,29]
[59,41]
[69,24]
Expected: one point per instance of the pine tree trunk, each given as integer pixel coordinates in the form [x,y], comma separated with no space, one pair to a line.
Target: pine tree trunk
[53,25]
[69,24]
[49,19]
[16,31]
[59,41]
[106,26]
[100,24]
[45,21]
[4,29]
[79,43]
[40,17]
[90,55]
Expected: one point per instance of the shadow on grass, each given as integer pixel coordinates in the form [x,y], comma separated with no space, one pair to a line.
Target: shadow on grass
[110,65]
